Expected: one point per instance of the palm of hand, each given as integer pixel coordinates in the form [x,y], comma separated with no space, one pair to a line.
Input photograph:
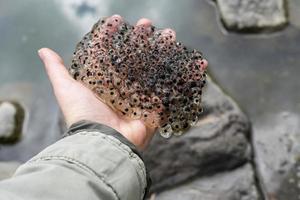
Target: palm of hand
[84,105]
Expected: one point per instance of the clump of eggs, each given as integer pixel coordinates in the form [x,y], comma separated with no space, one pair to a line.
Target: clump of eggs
[142,73]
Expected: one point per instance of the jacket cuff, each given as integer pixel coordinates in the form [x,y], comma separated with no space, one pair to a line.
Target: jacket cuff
[85,125]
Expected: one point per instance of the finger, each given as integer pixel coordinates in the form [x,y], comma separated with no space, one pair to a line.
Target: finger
[144,22]
[168,34]
[203,64]
[111,24]
[55,68]
[143,30]
[116,19]
[109,28]
[198,69]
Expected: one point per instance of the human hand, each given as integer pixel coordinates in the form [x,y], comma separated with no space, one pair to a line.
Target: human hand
[79,103]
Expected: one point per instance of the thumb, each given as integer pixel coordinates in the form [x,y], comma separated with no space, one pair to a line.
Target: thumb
[55,68]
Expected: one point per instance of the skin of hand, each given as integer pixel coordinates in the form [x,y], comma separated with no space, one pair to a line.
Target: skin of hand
[79,103]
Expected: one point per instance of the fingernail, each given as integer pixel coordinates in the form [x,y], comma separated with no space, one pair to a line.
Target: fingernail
[41,53]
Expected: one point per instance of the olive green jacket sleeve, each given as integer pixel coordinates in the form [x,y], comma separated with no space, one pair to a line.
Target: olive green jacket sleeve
[87,165]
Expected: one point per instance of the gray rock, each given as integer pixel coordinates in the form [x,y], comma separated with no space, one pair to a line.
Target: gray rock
[7,119]
[277,149]
[11,121]
[238,184]
[7,169]
[218,142]
[40,127]
[253,15]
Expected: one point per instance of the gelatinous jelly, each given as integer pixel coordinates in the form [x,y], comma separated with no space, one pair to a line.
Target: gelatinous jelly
[142,73]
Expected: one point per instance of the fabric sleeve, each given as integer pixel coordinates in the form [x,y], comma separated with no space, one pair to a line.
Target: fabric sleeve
[88,164]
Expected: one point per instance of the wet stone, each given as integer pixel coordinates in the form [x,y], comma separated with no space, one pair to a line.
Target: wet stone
[7,119]
[253,15]
[118,61]
[238,184]
[41,116]
[218,142]
[276,143]
[11,121]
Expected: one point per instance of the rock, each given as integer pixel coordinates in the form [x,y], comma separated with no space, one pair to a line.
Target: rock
[7,119]
[253,15]
[41,127]
[277,155]
[11,121]
[219,142]
[7,169]
[238,184]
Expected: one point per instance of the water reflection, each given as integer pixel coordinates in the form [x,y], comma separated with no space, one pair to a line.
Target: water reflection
[85,9]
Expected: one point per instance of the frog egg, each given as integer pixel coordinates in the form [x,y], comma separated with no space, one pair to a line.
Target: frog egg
[146,115]
[147,71]
[193,118]
[123,29]
[141,33]
[111,24]
[100,77]
[177,132]
[75,66]
[124,108]
[197,76]
[100,22]
[199,111]
[76,75]
[113,93]
[197,101]
[127,109]
[117,82]
[123,92]
[135,99]
[136,86]
[136,113]
[168,35]
[166,131]
[119,104]
[203,64]
[179,127]
[93,83]
[113,102]
[144,98]
[149,106]
[100,91]
[150,118]
[107,82]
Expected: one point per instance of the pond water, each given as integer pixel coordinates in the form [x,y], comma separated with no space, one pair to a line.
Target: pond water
[261,71]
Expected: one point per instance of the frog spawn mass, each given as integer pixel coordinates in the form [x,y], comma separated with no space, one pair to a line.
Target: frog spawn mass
[142,73]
